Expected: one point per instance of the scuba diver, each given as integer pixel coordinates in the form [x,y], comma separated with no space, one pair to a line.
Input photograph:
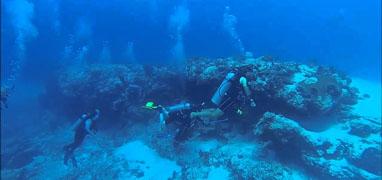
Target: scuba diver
[83,126]
[232,94]
[5,92]
[230,98]
[178,114]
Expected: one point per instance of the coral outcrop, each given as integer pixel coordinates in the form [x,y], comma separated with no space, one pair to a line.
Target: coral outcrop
[350,150]
[282,87]
[295,88]
[118,89]
[237,160]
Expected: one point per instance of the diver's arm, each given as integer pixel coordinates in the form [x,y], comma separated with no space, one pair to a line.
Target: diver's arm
[88,124]
[163,115]
[243,82]
[97,114]
[162,119]
[74,126]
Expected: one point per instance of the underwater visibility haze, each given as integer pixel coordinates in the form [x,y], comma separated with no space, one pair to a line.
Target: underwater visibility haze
[191,89]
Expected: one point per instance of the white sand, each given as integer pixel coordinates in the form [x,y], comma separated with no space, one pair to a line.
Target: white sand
[368,107]
[142,157]
[218,173]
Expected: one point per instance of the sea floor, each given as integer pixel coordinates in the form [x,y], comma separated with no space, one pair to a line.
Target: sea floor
[370,105]
[140,151]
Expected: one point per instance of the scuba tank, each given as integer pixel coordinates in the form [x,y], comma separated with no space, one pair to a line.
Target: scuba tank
[223,88]
[79,121]
[179,107]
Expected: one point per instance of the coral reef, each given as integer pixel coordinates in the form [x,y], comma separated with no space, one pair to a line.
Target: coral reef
[294,93]
[236,160]
[340,151]
[244,162]
[295,88]
[286,88]
[118,89]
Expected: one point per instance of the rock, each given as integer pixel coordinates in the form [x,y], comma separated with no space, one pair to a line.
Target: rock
[208,72]
[370,160]
[363,127]
[333,153]
[338,169]
[242,160]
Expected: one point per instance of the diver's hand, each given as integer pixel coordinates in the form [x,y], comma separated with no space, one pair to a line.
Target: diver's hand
[253,104]
[243,81]
[162,126]
[193,115]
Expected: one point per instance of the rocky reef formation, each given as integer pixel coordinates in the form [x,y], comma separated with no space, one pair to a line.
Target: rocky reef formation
[203,158]
[349,150]
[117,89]
[245,162]
[283,91]
[286,88]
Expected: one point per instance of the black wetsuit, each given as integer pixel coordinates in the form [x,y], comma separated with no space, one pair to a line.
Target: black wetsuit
[80,134]
[183,122]
[233,100]
[230,104]
[236,106]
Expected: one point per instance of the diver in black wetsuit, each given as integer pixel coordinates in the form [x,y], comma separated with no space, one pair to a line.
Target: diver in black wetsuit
[84,125]
[5,92]
[231,96]
[180,115]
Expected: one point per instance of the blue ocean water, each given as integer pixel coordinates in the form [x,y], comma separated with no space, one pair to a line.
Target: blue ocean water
[313,70]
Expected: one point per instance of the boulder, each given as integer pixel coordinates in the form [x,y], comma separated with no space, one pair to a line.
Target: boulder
[336,152]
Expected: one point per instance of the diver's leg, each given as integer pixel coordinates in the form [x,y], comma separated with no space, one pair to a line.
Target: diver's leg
[69,147]
[68,151]
[68,155]
[183,134]
[74,161]
[78,139]
[74,144]
[66,158]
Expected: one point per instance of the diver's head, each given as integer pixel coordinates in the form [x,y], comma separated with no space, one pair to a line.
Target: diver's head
[85,116]
[90,114]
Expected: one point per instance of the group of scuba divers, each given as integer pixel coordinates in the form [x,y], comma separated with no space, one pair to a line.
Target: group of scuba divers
[231,97]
